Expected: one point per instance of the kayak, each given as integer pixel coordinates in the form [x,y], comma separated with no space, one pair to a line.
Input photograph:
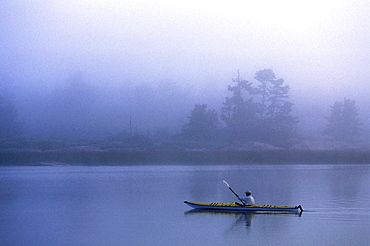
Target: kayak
[243,208]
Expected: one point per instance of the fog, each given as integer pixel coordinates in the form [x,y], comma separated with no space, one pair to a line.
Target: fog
[142,65]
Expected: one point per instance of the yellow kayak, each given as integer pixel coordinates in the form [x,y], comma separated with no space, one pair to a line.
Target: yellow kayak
[240,207]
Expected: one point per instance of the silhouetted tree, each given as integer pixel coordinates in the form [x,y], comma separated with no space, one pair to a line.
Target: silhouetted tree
[264,77]
[343,122]
[202,125]
[260,113]
[276,122]
[9,124]
[240,115]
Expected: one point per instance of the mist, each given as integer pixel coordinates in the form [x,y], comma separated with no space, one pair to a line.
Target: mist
[97,68]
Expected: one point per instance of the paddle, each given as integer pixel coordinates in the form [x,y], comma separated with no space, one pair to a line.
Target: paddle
[228,186]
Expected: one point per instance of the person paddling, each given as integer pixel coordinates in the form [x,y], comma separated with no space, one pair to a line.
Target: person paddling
[248,199]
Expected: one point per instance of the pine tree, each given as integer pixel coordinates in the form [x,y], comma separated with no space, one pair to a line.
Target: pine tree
[276,124]
[239,114]
[202,125]
[260,113]
[343,122]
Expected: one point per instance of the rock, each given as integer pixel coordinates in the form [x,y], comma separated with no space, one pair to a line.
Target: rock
[78,149]
[251,146]
[329,145]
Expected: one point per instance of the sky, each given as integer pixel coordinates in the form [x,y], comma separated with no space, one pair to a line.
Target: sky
[321,48]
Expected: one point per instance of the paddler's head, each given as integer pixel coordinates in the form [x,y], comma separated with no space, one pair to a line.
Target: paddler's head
[248,193]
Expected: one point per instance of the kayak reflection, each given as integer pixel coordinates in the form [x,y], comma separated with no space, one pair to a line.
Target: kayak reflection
[240,217]
[244,218]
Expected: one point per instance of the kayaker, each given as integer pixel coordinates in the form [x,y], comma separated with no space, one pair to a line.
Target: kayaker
[248,199]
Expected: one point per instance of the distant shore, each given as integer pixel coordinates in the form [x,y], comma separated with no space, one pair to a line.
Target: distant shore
[174,152]
[137,157]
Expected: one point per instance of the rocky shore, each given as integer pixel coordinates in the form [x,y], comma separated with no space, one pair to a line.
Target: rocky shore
[306,152]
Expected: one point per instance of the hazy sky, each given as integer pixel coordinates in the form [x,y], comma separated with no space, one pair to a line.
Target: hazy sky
[321,48]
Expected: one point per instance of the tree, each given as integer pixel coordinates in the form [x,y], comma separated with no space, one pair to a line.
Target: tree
[9,124]
[265,115]
[239,114]
[277,124]
[272,93]
[343,122]
[264,77]
[202,125]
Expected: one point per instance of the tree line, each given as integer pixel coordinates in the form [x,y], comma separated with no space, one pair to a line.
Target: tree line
[259,111]
[263,113]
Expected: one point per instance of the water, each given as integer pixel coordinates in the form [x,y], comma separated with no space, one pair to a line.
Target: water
[143,205]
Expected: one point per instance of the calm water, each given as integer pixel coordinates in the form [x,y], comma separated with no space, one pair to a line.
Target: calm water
[143,205]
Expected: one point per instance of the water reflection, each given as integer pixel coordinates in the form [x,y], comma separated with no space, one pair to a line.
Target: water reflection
[244,219]
[143,205]
[241,219]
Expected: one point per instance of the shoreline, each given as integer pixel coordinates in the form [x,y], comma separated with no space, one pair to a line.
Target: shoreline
[137,157]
